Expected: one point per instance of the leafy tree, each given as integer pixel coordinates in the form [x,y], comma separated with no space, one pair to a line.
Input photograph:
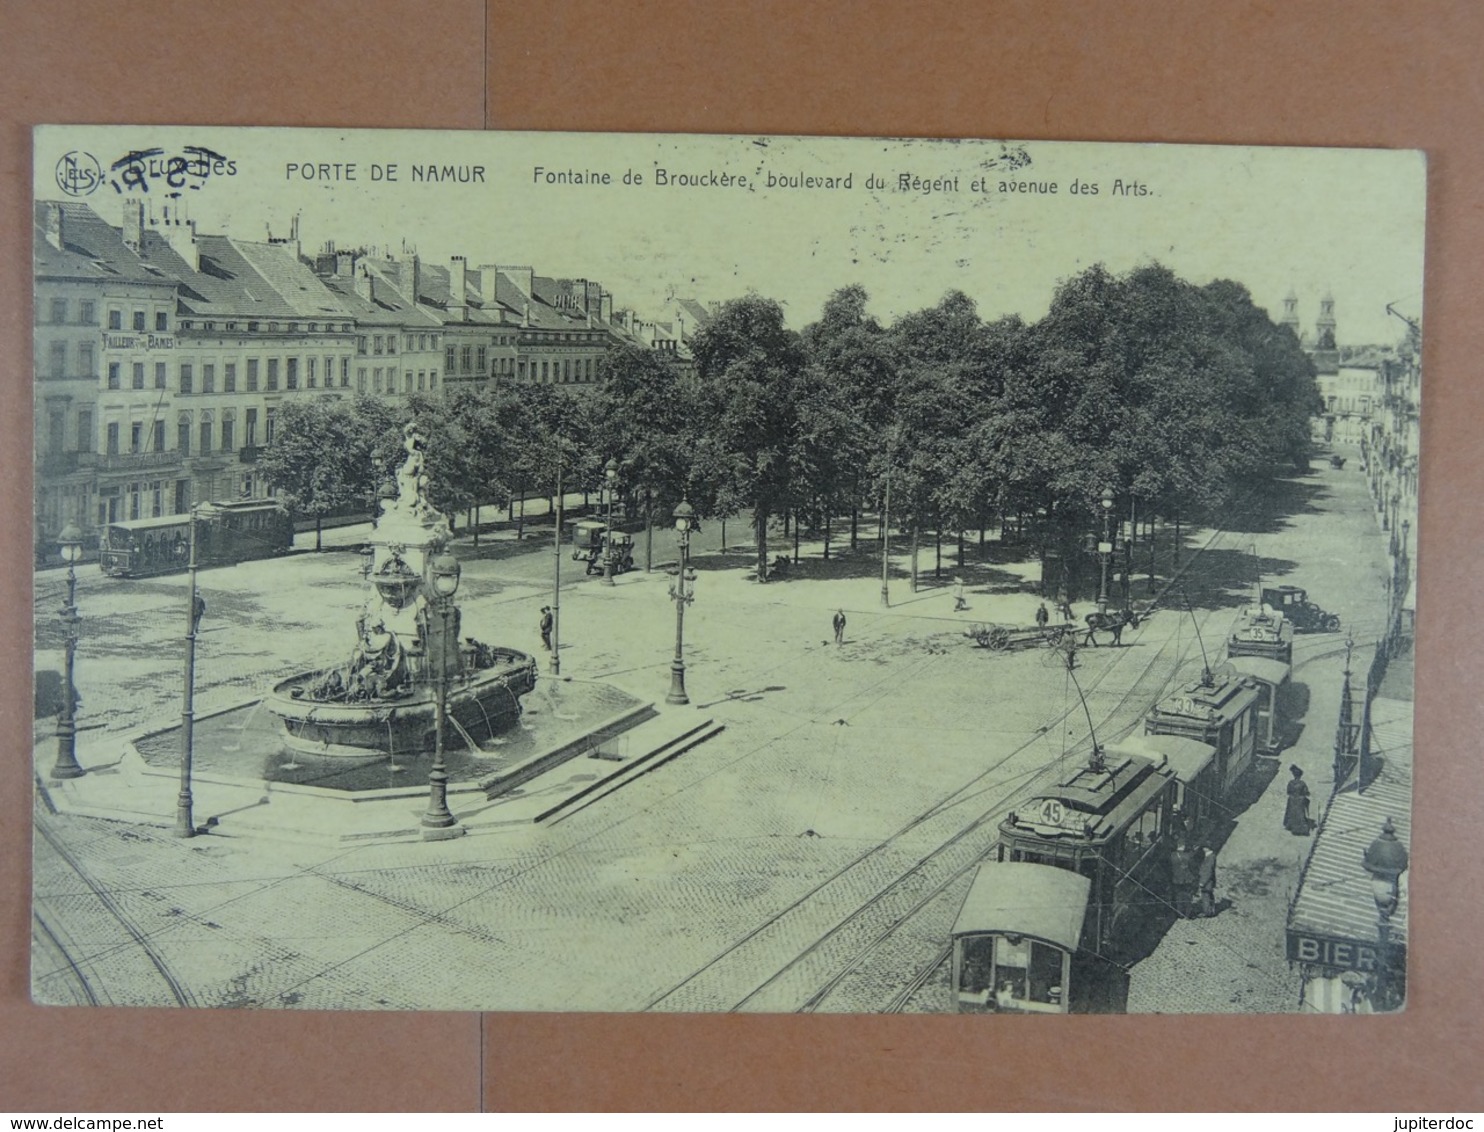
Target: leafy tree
[643,415]
[948,380]
[750,365]
[320,460]
[854,359]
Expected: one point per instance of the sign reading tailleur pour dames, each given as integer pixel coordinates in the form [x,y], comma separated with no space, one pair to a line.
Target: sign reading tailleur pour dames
[677,498]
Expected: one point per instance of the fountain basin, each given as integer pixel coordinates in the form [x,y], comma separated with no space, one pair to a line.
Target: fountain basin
[244,744]
[480,705]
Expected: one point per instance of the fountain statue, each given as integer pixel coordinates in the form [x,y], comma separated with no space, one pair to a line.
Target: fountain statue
[382,701]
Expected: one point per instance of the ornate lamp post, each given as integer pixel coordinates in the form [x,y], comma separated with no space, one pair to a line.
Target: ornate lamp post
[886,537]
[184,823]
[1105,548]
[1385,859]
[610,473]
[683,591]
[439,823]
[66,765]
[556,585]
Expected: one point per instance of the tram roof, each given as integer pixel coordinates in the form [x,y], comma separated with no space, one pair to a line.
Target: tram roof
[153,523]
[1209,701]
[1259,668]
[1040,901]
[1097,790]
[1182,757]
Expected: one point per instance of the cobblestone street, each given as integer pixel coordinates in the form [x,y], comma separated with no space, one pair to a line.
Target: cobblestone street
[840,770]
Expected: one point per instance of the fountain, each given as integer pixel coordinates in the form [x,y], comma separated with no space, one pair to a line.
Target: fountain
[382,702]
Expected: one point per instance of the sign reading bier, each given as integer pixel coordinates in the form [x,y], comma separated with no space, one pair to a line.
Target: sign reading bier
[1326,951]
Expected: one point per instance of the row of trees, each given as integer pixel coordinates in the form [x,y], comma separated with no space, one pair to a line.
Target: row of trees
[1170,394]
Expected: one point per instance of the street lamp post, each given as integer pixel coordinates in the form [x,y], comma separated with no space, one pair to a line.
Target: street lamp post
[439,822]
[1105,548]
[1385,859]
[184,823]
[683,591]
[556,585]
[886,538]
[610,473]
[66,765]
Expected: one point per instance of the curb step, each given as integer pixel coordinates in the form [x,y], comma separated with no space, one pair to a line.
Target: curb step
[667,750]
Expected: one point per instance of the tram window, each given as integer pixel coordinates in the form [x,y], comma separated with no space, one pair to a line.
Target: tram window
[978,964]
[1045,973]
[1012,961]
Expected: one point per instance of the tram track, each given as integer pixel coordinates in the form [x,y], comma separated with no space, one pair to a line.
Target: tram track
[49,942]
[957,851]
[962,852]
[871,924]
[1323,650]
[139,938]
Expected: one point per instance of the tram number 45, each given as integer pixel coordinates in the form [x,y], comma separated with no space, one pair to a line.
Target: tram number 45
[1345,955]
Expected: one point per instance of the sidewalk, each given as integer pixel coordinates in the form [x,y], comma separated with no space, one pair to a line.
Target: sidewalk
[1237,961]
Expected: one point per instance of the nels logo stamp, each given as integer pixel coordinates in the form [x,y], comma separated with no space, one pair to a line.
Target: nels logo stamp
[78,173]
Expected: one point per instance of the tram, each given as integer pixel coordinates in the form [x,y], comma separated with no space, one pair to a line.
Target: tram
[236,531]
[1220,709]
[1083,869]
[1261,630]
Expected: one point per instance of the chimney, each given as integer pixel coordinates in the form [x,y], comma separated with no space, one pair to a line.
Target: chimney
[133,224]
[180,234]
[458,296]
[345,265]
[488,273]
[365,284]
[524,279]
[414,279]
[51,220]
[594,298]
[606,307]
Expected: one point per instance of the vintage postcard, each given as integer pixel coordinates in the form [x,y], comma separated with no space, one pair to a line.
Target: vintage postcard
[675,573]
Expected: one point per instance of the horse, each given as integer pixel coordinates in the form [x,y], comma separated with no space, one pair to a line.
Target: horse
[1112,623]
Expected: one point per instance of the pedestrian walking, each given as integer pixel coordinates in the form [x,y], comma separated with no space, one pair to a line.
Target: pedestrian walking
[1296,812]
[1206,873]
[1042,616]
[959,604]
[547,620]
[1064,605]
[839,621]
[1183,877]
[198,611]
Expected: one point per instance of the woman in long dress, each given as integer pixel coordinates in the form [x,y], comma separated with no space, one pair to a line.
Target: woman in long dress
[1296,814]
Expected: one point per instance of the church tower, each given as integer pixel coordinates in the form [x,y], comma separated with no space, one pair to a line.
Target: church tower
[1325,325]
[1290,317]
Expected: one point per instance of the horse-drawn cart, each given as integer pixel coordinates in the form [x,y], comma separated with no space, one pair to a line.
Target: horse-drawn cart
[1000,637]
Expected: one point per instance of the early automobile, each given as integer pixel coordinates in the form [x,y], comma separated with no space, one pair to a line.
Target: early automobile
[592,541]
[1294,604]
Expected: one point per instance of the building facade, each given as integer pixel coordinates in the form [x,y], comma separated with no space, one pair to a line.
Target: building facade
[163,355]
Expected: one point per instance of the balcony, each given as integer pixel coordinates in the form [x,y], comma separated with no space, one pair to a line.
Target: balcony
[249,453]
[63,463]
[137,461]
